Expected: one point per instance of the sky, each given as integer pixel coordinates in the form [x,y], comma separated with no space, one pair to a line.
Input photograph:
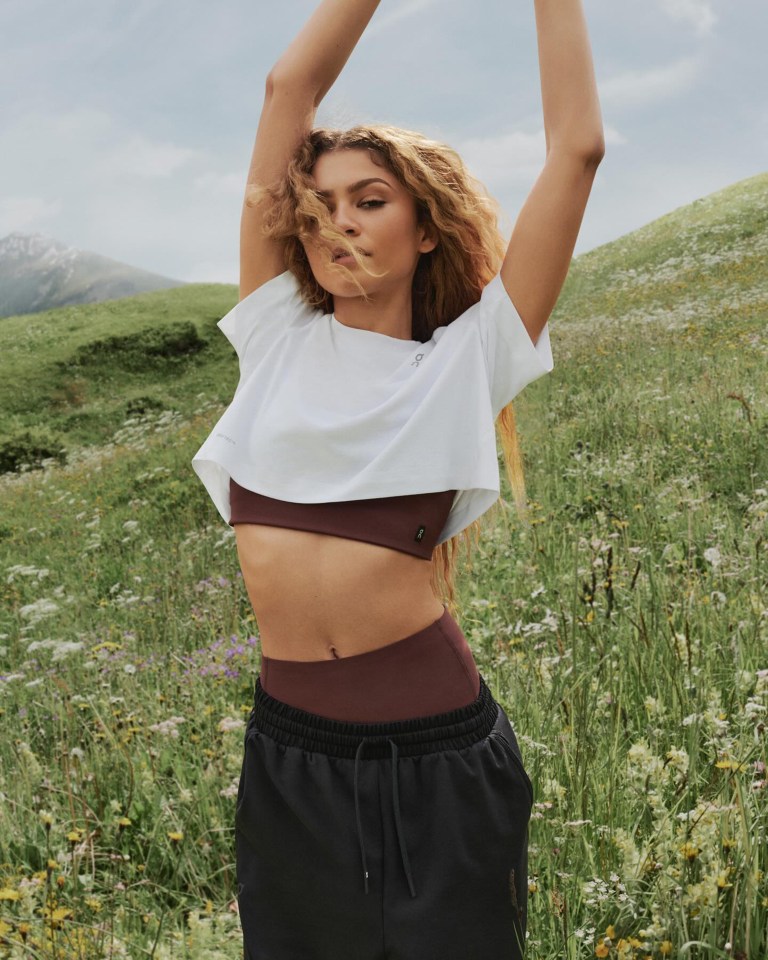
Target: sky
[126,126]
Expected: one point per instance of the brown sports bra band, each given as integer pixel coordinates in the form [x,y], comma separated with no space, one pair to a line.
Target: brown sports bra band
[410,523]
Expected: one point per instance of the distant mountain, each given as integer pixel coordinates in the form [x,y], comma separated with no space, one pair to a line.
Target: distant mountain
[38,273]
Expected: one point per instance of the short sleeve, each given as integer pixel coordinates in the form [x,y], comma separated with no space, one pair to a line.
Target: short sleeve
[512,359]
[261,318]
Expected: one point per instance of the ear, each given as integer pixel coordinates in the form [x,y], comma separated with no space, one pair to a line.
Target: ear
[428,237]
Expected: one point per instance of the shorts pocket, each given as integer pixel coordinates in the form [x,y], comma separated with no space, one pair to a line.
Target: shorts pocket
[516,760]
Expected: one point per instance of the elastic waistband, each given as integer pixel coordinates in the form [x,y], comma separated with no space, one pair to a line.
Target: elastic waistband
[421,735]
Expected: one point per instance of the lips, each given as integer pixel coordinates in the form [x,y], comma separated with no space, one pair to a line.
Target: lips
[339,252]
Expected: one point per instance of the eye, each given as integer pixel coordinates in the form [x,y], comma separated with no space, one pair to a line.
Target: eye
[372,203]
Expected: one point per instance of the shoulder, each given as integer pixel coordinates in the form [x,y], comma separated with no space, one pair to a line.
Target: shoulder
[267,312]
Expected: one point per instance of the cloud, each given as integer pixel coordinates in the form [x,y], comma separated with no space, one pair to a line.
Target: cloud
[699,13]
[639,87]
[509,163]
[514,157]
[23,213]
[406,8]
[612,136]
[212,271]
[92,143]
[117,190]
[140,157]
[221,184]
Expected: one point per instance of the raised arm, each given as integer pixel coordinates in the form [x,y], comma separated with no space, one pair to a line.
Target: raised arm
[544,235]
[294,88]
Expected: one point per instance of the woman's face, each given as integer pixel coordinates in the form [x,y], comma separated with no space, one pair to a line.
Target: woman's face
[378,215]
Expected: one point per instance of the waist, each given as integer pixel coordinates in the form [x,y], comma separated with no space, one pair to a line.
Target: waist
[318,596]
[427,673]
[453,729]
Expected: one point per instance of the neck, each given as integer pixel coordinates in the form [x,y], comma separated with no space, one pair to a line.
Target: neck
[388,312]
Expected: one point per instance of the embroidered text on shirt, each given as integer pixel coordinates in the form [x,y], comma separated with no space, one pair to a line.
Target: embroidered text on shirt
[420,534]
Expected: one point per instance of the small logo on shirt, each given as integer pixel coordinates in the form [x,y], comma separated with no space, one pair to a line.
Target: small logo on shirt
[420,534]
[417,361]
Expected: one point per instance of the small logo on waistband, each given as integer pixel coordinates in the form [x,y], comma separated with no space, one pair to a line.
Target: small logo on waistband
[420,534]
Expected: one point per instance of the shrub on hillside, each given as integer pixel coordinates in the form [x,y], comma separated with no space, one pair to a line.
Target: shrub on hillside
[29,448]
[148,347]
[139,406]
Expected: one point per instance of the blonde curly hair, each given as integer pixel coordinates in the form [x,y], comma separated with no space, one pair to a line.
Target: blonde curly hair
[448,279]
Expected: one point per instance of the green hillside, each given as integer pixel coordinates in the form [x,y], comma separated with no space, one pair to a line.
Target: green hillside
[48,377]
[624,631]
[700,264]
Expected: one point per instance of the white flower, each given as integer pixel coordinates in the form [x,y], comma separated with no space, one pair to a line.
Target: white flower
[38,610]
[65,647]
[168,727]
[226,724]
[21,570]
[712,555]
[231,790]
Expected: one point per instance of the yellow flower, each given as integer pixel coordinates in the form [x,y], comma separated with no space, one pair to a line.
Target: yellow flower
[722,880]
[107,645]
[175,835]
[731,765]
[5,928]
[610,932]
[75,836]
[601,950]
[690,851]
[6,893]
[533,887]
[665,947]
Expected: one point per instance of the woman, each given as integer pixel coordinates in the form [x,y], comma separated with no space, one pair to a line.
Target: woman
[383,804]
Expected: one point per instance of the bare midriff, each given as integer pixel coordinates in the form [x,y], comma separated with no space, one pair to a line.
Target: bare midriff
[319,597]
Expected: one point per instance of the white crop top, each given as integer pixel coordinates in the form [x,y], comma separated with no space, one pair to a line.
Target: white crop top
[326,412]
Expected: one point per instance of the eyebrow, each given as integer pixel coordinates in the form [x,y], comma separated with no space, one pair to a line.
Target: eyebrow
[356,186]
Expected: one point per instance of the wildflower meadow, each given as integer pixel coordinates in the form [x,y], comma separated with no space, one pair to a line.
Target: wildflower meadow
[624,627]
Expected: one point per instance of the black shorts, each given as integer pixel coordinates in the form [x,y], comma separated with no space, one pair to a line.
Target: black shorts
[404,840]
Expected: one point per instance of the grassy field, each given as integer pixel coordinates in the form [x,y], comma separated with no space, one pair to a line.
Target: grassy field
[625,631]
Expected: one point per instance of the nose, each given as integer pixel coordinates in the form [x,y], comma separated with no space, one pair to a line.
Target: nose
[343,218]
